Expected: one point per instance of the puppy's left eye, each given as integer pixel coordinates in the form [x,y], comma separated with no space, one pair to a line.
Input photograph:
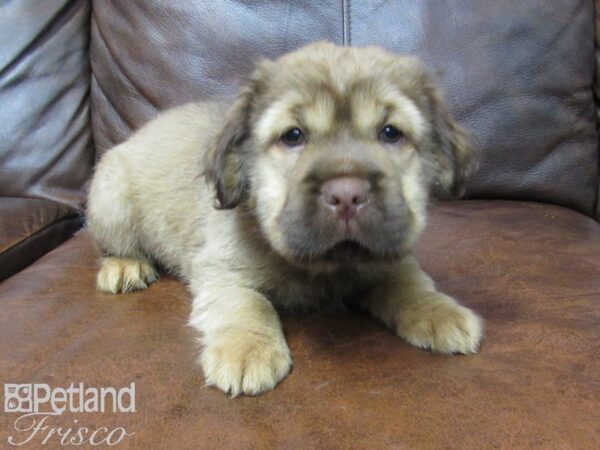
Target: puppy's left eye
[390,134]
[293,137]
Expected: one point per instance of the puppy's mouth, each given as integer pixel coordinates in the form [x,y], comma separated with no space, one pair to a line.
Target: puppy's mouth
[348,250]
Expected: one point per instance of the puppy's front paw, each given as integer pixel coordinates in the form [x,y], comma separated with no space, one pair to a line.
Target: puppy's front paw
[124,275]
[244,362]
[438,323]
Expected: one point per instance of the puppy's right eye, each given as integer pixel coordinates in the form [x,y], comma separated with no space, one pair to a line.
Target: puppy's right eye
[293,137]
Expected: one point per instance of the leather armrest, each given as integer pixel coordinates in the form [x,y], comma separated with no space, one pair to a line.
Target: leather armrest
[29,228]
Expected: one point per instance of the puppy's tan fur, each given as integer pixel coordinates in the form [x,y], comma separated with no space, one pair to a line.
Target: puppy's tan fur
[243,242]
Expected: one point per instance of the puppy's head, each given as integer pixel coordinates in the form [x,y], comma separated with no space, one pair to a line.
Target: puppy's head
[335,151]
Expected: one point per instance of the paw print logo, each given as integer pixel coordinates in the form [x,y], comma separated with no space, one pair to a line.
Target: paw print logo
[17,398]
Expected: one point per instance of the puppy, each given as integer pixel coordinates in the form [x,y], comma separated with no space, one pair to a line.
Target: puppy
[318,179]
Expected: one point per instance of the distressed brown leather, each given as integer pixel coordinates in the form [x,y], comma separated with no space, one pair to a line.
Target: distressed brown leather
[532,270]
[518,74]
[31,227]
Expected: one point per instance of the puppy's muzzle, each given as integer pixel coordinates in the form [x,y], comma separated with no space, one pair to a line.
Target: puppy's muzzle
[343,213]
[345,195]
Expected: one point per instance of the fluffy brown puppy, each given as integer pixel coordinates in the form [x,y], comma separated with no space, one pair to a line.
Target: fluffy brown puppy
[318,178]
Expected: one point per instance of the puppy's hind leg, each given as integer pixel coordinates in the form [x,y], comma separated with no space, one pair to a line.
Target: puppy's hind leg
[111,222]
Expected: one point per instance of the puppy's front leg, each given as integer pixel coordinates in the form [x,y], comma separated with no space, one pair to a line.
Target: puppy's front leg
[423,316]
[245,351]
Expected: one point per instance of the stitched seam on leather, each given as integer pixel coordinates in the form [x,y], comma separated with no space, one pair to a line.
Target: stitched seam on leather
[349,21]
[596,93]
[89,92]
[345,23]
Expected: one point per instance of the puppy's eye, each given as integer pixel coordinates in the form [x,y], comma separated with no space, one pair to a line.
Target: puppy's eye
[390,134]
[293,137]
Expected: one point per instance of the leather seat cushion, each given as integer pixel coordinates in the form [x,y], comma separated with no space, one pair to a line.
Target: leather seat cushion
[31,227]
[531,270]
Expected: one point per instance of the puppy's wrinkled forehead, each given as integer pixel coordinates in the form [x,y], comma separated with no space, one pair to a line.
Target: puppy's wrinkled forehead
[324,88]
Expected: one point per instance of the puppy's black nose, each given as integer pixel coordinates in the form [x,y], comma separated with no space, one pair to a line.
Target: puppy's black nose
[345,195]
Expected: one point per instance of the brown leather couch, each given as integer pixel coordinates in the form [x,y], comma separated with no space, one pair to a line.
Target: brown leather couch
[523,249]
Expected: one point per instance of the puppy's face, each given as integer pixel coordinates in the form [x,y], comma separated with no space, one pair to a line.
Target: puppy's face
[335,151]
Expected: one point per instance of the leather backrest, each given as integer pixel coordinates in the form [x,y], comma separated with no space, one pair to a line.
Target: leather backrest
[45,135]
[517,73]
[148,56]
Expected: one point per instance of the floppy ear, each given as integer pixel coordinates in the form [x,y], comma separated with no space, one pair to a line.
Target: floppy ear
[226,161]
[456,151]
